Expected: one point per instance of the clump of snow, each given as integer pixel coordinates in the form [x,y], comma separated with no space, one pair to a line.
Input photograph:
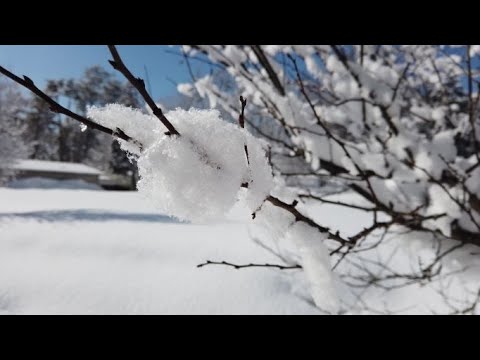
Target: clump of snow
[441,202]
[259,177]
[315,260]
[233,52]
[195,176]
[473,183]
[282,191]
[434,154]
[443,144]
[299,243]
[454,107]
[438,114]
[275,219]
[145,128]
[185,89]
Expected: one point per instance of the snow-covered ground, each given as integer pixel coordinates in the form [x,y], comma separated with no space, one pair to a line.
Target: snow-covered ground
[86,251]
[69,251]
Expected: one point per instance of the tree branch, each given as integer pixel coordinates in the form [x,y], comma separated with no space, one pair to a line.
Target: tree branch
[139,84]
[300,217]
[241,121]
[326,201]
[268,68]
[27,83]
[281,267]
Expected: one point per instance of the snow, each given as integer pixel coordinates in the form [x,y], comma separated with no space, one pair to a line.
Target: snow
[316,264]
[473,183]
[185,89]
[145,128]
[196,176]
[66,251]
[54,166]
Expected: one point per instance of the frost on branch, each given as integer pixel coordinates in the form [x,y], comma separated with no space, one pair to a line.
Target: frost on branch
[195,176]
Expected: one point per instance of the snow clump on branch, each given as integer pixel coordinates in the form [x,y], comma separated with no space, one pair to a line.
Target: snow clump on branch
[195,176]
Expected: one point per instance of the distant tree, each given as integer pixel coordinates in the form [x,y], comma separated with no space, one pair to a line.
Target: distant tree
[57,137]
[80,144]
[42,128]
[12,127]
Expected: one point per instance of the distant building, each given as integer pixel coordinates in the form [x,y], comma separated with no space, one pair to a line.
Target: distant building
[55,170]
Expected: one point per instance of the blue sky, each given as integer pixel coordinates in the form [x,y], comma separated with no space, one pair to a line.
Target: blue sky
[42,62]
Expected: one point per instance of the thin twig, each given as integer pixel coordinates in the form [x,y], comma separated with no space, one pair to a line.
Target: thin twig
[236,266]
[241,121]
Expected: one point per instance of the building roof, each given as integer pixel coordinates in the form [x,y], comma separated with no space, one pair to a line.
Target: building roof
[54,166]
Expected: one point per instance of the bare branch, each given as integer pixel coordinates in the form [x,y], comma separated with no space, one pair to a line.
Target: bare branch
[268,68]
[139,84]
[326,201]
[280,267]
[241,121]
[241,117]
[27,83]
[300,217]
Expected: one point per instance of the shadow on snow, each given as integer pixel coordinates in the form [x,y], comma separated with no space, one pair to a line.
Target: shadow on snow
[89,215]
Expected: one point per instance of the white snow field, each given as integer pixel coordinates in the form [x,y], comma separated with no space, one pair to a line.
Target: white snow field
[85,251]
[76,251]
